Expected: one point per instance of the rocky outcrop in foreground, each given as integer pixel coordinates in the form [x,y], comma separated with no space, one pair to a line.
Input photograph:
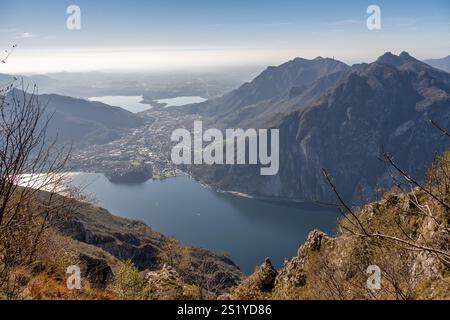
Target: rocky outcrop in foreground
[397,248]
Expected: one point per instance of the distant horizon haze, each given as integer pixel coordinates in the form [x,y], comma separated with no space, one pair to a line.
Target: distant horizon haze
[167,60]
[170,35]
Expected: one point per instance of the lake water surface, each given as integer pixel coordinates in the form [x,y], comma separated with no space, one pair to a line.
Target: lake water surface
[133,103]
[130,103]
[249,230]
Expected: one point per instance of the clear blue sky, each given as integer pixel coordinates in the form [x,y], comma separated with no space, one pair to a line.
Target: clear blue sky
[268,30]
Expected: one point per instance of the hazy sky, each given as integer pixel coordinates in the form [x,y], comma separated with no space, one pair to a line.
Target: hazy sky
[167,34]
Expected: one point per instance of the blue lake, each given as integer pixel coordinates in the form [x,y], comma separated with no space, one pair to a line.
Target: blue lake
[248,230]
[130,103]
[133,103]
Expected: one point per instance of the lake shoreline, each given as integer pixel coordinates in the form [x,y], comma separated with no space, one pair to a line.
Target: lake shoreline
[290,202]
[138,104]
[199,216]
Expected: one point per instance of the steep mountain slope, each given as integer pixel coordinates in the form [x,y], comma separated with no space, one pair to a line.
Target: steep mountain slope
[83,122]
[443,64]
[386,105]
[270,89]
[86,122]
[122,239]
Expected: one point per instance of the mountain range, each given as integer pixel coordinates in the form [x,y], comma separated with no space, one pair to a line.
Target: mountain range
[274,93]
[330,115]
[443,63]
[337,117]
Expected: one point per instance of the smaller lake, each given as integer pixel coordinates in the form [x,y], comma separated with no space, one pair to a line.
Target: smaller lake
[133,103]
[180,101]
[130,103]
[249,230]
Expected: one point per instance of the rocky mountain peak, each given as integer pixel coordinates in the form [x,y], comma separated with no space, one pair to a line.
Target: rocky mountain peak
[273,82]
[405,55]
[397,61]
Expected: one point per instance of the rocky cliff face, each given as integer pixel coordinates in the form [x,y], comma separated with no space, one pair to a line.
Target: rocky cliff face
[383,106]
